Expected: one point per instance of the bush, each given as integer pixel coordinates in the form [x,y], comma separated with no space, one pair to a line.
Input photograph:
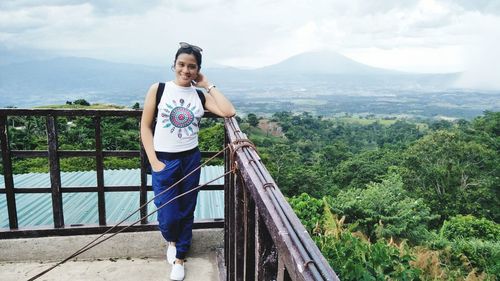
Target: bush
[470,227]
[384,210]
[81,102]
[480,254]
[353,257]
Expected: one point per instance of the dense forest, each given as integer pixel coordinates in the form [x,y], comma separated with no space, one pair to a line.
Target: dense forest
[383,199]
[397,200]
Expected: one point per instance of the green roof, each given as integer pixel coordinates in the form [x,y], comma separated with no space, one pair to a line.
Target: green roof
[81,208]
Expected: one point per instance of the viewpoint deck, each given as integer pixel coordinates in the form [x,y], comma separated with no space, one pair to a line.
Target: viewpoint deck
[127,256]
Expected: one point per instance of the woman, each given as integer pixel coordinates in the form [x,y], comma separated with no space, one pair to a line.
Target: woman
[173,149]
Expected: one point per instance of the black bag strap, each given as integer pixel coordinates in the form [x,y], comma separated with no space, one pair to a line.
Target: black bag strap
[201,95]
[159,93]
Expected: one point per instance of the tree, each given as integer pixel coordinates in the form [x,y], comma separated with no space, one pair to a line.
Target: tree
[81,102]
[384,210]
[308,209]
[364,168]
[453,175]
[252,120]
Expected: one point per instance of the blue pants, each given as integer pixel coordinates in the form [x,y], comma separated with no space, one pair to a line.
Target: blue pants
[175,220]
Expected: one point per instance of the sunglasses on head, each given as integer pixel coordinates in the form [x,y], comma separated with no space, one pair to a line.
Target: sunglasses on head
[194,47]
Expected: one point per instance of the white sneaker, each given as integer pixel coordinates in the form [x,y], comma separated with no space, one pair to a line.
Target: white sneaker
[171,252]
[177,272]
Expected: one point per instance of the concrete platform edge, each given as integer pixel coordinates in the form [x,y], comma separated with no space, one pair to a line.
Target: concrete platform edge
[123,245]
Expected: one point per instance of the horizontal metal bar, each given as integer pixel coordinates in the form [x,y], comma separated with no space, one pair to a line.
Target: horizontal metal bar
[70,112]
[89,153]
[114,188]
[75,153]
[28,190]
[95,229]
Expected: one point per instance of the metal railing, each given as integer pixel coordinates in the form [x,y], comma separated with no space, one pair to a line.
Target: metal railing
[263,238]
[54,154]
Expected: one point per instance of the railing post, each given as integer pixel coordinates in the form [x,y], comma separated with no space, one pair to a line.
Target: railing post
[249,236]
[101,202]
[266,256]
[143,192]
[239,229]
[55,172]
[7,174]
[228,214]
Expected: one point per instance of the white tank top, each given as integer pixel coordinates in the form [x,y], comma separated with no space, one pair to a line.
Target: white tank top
[179,114]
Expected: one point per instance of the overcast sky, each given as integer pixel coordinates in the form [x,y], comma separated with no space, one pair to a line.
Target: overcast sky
[409,35]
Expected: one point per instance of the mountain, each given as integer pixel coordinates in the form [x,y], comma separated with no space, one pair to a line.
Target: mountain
[54,81]
[68,78]
[323,62]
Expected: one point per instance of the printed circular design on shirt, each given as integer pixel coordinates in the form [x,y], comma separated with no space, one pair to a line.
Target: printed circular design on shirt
[181,117]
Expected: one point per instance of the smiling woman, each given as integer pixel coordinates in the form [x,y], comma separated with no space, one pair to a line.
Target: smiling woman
[173,148]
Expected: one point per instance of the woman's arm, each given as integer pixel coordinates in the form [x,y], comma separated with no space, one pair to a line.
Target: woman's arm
[147,119]
[215,102]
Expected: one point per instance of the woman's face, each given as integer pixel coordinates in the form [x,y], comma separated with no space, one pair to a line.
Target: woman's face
[186,69]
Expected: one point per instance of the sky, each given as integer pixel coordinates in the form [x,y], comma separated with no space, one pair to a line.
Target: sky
[428,36]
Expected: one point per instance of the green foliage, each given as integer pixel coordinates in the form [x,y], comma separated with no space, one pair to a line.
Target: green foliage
[113,163]
[252,120]
[480,254]
[75,164]
[308,209]
[384,210]
[489,124]
[81,102]
[355,258]
[453,175]
[212,138]
[30,165]
[365,167]
[470,227]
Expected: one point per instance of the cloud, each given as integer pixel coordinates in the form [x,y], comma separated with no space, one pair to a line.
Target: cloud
[245,32]
[482,59]
[101,7]
[491,7]
[44,19]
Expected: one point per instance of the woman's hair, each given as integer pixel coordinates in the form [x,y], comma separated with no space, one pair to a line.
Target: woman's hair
[190,51]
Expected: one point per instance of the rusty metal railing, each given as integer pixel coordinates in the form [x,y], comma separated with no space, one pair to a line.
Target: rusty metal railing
[264,239]
[54,154]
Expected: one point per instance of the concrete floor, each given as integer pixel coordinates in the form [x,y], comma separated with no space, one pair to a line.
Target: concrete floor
[200,267]
[125,257]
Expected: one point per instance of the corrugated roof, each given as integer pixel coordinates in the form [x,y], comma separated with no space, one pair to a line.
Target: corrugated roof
[81,208]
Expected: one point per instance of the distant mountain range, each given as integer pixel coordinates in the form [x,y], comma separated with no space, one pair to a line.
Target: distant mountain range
[68,78]
[323,62]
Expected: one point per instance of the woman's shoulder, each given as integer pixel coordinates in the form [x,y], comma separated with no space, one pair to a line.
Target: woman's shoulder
[152,90]
[154,86]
